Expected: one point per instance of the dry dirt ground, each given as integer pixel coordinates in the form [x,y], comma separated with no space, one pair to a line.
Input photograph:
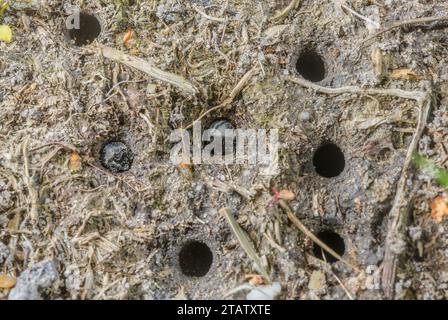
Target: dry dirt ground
[72,229]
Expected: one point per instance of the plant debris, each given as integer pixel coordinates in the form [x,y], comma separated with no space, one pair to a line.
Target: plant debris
[245,241]
[7,282]
[432,169]
[157,66]
[406,74]
[439,208]
[5,33]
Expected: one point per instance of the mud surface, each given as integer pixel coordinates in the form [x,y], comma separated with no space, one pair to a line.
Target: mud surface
[128,234]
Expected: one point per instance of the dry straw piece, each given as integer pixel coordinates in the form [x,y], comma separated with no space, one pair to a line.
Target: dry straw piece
[296,221]
[148,68]
[244,240]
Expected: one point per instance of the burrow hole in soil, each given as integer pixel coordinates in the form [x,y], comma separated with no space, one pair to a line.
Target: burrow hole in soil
[116,157]
[195,259]
[221,125]
[331,239]
[329,160]
[89,29]
[311,66]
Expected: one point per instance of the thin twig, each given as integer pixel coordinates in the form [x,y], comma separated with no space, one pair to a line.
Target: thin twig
[404,23]
[412,95]
[149,69]
[228,187]
[119,178]
[360,16]
[206,113]
[206,16]
[294,4]
[243,81]
[34,195]
[108,96]
[57,143]
[233,94]
[296,221]
[330,269]
[273,243]
[399,211]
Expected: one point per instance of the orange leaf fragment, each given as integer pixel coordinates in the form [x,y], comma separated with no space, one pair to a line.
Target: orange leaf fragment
[184,165]
[281,195]
[255,279]
[127,36]
[286,195]
[75,162]
[439,208]
[7,282]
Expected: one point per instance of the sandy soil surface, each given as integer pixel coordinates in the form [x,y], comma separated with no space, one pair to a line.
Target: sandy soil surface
[76,226]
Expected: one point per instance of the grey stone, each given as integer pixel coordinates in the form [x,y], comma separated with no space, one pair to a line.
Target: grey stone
[40,276]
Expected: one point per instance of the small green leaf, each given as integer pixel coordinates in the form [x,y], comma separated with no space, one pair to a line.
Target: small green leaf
[431,168]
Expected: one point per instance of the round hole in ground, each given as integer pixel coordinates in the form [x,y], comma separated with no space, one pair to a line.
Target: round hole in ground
[331,239]
[311,66]
[116,157]
[89,29]
[195,259]
[221,125]
[329,160]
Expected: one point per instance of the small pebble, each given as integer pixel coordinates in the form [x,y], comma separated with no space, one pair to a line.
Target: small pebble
[305,116]
[31,281]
